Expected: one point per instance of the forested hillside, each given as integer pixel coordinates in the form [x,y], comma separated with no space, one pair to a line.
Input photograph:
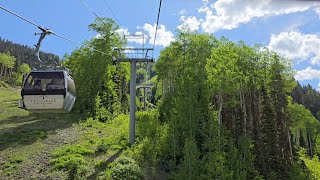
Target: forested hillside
[16,60]
[220,110]
[308,97]
[25,54]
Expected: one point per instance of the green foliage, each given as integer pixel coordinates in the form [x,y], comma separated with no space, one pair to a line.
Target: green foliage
[313,164]
[101,113]
[24,69]
[190,166]
[72,160]
[141,73]
[151,144]
[229,97]
[116,130]
[125,168]
[72,149]
[74,164]
[308,97]
[305,128]
[297,173]
[7,63]
[147,124]
[97,142]
[317,145]
[18,76]
[101,85]
[26,138]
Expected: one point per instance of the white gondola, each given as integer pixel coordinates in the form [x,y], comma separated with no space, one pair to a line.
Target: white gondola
[48,91]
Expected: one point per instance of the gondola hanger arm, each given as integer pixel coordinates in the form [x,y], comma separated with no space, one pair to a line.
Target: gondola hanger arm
[42,34]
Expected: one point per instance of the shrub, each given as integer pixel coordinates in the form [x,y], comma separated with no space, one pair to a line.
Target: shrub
[125,168]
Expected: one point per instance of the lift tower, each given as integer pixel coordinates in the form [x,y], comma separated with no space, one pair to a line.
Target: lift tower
[144,95]
[133,55]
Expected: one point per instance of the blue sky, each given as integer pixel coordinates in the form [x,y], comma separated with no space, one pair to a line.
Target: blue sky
[287,26]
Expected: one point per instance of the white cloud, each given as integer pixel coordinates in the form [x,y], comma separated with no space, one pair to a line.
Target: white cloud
[164,37]
[182,12]
[307,74]
[318,11]
[136,37]
[129,50]
[123,31]
[205,1]
[295,45]
[98,36]
[139,33]
[229,14]
[191,23]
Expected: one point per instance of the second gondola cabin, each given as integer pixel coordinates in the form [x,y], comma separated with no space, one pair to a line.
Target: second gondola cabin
[48,91]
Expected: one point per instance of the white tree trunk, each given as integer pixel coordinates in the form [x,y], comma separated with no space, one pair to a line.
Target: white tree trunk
[290,147]
[220,110]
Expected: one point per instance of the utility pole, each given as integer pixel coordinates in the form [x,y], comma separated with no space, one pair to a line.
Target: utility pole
[133,55]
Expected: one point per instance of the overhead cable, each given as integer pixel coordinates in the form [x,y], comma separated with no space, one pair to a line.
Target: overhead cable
[113,14]
[50,32]
[93,13]
[155,34]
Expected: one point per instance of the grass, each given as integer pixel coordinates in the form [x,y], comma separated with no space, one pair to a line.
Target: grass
[99,144]
[26,139]
[3,84]
[9,100]
[56,146]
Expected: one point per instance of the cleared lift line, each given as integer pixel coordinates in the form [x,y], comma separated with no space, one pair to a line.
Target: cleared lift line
[132,60]
[137,55]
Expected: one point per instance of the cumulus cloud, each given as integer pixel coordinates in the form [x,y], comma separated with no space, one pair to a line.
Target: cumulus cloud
[98,36]
[136,37]
[205,1]
[182,12]
[307,74]
[164,36]
[295,45]
[229,14]
[191,23]
[318,11]
[123,31]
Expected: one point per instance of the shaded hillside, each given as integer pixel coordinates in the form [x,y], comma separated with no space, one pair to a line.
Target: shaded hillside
[25,54]
[308,97]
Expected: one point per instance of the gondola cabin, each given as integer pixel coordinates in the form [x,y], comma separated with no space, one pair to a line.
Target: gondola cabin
[48,91]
